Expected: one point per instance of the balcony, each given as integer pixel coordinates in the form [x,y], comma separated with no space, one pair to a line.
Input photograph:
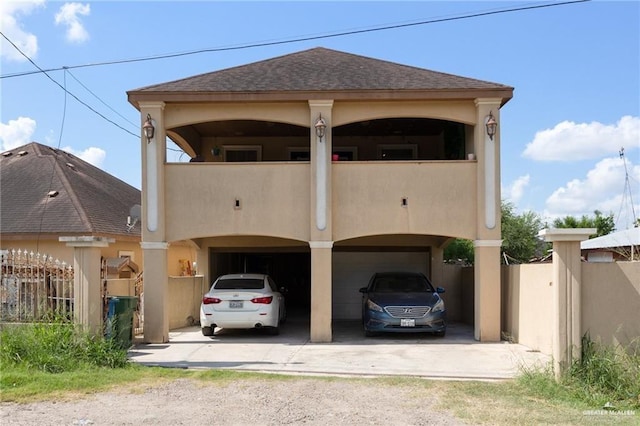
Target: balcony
[367,198]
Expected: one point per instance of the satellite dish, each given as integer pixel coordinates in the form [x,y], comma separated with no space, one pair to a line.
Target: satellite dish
[135,213]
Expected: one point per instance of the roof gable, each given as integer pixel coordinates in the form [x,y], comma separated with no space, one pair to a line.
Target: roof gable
[88,200]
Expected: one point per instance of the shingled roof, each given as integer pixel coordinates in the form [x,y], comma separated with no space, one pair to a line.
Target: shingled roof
[321,70]
[89,201]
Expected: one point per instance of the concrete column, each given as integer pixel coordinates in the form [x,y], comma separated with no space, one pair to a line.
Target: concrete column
[87,283]
[154,244]
[320,231]
[156,292]
[487,290]
[488,240]
[321,313]
[567,278]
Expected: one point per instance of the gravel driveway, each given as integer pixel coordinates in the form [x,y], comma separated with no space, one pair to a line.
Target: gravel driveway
[307,401]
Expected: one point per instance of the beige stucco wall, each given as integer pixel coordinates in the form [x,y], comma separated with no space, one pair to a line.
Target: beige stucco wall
[185,294]
[527,308]
[367,198]
[200,200]
[610,303]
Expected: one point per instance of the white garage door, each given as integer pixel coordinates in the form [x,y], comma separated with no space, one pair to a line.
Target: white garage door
[352,270]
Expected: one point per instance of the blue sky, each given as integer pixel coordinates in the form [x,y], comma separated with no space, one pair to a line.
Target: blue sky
[575,69]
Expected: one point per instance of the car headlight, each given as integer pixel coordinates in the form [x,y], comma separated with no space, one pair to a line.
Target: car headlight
[439,306]
[373,306]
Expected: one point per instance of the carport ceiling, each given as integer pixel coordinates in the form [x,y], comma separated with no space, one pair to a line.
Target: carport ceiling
[253,128]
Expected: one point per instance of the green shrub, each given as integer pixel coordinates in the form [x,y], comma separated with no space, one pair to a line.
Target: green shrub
[603,376]
[56,347]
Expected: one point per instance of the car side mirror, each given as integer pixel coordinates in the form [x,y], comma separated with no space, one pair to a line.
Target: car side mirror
[439,290]
[363,290]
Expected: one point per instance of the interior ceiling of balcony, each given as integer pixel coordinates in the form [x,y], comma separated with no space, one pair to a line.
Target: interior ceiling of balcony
[252,128]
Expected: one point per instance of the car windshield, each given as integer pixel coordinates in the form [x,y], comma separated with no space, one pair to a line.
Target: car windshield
[400,283]
[240,284]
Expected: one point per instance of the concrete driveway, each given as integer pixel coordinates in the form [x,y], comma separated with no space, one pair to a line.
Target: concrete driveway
[456,356]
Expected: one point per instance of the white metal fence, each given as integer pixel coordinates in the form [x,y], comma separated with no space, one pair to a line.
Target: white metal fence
[34,286]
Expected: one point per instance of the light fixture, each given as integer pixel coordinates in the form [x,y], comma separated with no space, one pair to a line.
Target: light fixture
[321,127]
[492,125]
[148,128]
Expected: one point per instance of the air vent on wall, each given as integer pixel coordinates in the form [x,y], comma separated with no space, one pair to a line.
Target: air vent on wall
[52,194]
[71,166]
[21,153]
[6,154]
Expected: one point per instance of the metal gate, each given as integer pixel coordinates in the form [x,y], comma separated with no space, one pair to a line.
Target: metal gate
[34,287]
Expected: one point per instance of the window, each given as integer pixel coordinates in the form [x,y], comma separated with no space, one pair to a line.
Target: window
[242,153]
[298,153]
[346,153]
[398,152]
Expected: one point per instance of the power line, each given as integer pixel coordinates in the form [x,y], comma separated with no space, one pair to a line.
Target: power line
[65,89]
[301,39]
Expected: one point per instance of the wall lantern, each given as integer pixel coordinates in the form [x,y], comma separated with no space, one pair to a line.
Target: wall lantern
[148,128]
[321,127]
[492,125]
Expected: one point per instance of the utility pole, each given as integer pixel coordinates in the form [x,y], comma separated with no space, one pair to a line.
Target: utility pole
[627,188]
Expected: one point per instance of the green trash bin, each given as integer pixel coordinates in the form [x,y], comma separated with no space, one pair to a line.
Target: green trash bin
[120,319]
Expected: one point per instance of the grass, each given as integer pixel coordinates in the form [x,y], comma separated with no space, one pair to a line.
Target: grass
[58,361]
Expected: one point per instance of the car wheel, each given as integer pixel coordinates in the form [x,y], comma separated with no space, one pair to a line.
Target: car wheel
[273,331]
[440,333]
[368,333]
[207,331]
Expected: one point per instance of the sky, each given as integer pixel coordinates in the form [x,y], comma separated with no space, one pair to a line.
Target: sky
[575,69]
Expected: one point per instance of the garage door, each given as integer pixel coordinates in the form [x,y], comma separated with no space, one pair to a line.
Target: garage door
[352,270]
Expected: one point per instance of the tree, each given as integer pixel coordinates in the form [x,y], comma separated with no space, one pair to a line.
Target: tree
[604,224]
[519,234]
[520,242]
[459,251]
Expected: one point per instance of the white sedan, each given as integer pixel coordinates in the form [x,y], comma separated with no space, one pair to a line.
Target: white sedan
[242,301]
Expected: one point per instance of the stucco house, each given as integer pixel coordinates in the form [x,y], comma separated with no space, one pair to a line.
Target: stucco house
[48,193]
[321,167]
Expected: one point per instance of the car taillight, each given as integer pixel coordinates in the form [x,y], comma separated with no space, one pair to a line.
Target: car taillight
[265,300]
[209,300]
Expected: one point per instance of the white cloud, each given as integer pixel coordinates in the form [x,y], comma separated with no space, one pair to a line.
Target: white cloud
[91,155]
[603,189]
[16,133]
[69,15]
[569,141]
[514,192]
[10,12]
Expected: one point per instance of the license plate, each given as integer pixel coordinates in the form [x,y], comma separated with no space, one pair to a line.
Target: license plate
[406,322]
[235,304]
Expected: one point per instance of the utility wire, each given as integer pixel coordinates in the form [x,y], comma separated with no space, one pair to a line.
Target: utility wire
[65,89]
[99,99]
[301,39]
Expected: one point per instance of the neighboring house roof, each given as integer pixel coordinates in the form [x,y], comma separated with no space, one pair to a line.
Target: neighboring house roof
[89,201]
[626,238]
[322,71]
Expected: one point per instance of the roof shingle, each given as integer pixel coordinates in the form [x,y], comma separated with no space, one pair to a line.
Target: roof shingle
[89,200]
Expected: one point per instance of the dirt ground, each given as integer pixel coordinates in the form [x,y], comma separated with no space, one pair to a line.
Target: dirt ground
[245,402]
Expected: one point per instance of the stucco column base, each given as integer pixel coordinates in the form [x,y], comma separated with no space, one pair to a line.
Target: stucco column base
[487,290]
[567,277]
[156,291]
[87,284]
[321,291]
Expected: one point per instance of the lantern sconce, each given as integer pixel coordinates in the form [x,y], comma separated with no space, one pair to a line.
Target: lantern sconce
[321,127]
[492,125]
[148,128]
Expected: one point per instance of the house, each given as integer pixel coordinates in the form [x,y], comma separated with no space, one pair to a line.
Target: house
[620,245]
[55,204]
[48,193]
[321,167]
